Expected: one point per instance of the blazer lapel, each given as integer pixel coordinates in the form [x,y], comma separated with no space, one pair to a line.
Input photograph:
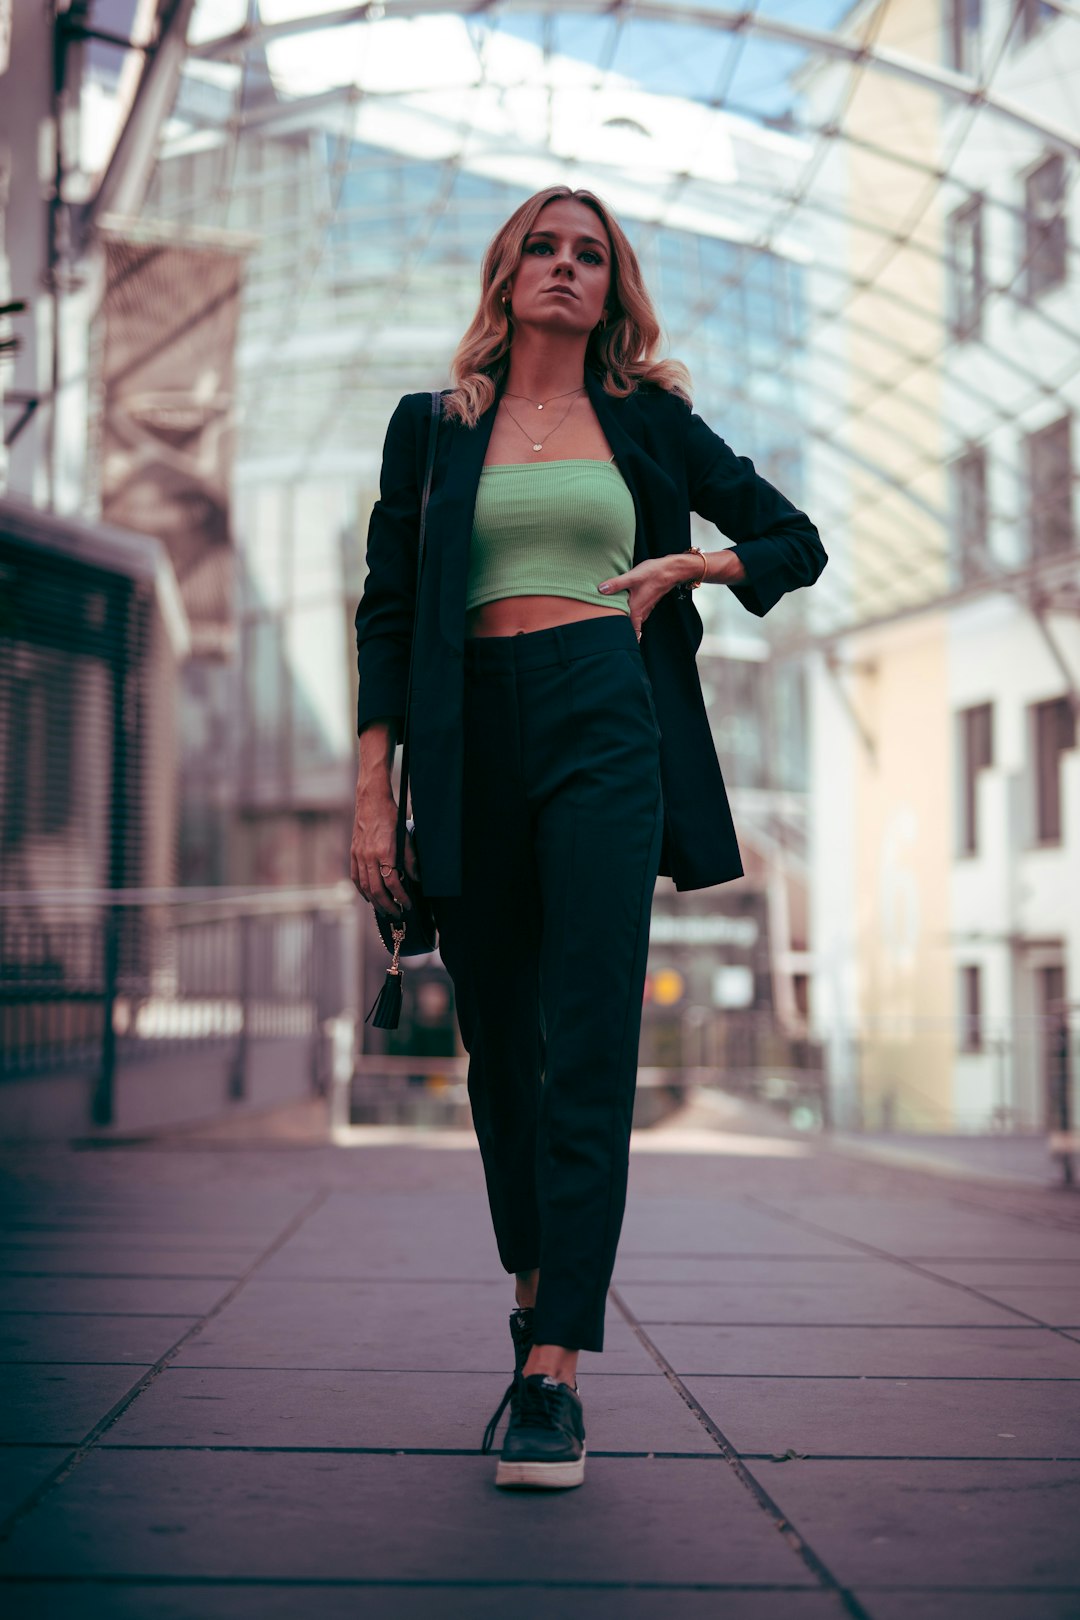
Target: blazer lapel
[630,459]
[656,497]
[452,518]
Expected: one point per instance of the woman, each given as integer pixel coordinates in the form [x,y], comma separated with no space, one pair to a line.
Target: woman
[561,754]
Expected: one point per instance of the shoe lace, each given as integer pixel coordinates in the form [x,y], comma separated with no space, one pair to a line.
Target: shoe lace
[541,1405]
[521,1330]
[489,1432]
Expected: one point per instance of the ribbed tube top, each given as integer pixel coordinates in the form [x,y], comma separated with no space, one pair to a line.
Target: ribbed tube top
[551,528]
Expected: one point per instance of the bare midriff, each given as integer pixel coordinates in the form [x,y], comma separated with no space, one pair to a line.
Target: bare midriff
[514,615]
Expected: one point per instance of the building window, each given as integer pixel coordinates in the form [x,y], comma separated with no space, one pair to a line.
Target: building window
[970,514]
[1050,495]
[965,21]
[976,754]
[1054,730]
[1034,14]
[967,284]
[971,1031]
[1045,230]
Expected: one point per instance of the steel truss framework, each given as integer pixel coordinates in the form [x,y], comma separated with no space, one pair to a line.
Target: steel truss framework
[866,378]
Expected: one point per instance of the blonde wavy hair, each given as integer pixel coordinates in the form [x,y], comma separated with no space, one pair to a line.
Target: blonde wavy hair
[623,351]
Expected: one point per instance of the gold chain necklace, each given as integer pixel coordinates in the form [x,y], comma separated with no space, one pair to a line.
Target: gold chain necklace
[569,391]
[535,444]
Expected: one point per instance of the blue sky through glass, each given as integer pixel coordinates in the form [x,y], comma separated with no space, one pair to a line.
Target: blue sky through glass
[751,73]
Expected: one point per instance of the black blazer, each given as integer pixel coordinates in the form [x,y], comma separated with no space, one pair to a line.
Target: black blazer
[673,463]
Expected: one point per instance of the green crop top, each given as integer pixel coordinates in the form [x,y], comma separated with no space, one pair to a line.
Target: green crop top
[551,528]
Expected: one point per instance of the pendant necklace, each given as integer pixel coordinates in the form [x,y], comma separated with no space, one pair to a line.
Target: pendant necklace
[569,391]
[540,445]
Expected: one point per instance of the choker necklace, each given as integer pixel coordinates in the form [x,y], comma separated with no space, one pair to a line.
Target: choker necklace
[540,407]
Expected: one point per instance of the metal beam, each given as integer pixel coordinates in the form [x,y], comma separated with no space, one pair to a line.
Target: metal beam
[954,87]
[125,181]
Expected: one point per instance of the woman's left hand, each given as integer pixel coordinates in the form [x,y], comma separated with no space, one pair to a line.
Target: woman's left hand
[646,582]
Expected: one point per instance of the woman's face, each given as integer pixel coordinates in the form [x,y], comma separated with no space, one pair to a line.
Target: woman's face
[564,274]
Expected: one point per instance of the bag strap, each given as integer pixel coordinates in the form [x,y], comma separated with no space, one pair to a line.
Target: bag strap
[403,792]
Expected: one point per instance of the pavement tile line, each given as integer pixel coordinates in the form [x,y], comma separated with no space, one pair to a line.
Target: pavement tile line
[379,1451]
[493,1372]
[1065,1331]
[798,1544]
[87,1444]
[825,1259]
[444,1584]
[129,1276]
[126,1315]
[914,1457]
[470,1451]
[406,1372]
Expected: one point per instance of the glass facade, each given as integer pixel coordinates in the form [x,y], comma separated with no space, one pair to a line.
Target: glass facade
[363,273]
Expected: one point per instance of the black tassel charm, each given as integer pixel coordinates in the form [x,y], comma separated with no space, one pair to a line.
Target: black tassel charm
[387,1004]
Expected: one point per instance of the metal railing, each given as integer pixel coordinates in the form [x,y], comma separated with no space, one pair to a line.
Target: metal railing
[96,979]
[928,1077]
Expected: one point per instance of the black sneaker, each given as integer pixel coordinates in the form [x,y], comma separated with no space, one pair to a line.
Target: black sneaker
[545,1440]
[521,1332]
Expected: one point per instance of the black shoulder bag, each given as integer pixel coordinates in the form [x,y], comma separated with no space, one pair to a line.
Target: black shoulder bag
[415,933]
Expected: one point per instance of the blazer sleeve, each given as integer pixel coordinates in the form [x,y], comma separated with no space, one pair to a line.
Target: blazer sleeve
[777,544]
[384,617]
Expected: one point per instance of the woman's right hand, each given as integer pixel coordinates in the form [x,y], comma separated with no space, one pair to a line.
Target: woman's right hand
[374,844]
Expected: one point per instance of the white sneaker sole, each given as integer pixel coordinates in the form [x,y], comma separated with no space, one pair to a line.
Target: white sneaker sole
[553,1476]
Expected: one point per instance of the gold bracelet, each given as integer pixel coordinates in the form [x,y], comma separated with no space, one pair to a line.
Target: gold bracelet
[694,583]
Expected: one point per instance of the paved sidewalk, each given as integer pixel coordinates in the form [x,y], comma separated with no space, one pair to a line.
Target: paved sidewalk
[249,1382]
[1025,1159]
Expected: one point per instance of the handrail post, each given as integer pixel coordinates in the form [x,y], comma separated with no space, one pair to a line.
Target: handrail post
[238,1073]
[315,997]
[1062,1098]
[101,1104]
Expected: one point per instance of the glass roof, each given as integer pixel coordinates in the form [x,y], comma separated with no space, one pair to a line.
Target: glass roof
[791,174]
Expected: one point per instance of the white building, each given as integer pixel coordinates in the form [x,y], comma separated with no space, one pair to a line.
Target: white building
[946,780]
[1011,394]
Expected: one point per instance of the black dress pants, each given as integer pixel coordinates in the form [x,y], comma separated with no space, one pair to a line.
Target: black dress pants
[548,941]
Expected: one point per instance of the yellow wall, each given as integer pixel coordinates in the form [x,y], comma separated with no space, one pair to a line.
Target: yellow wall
[903,815]
[903,848]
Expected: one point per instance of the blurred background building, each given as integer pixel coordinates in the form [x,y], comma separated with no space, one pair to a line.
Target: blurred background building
[234,233]
[947,801]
